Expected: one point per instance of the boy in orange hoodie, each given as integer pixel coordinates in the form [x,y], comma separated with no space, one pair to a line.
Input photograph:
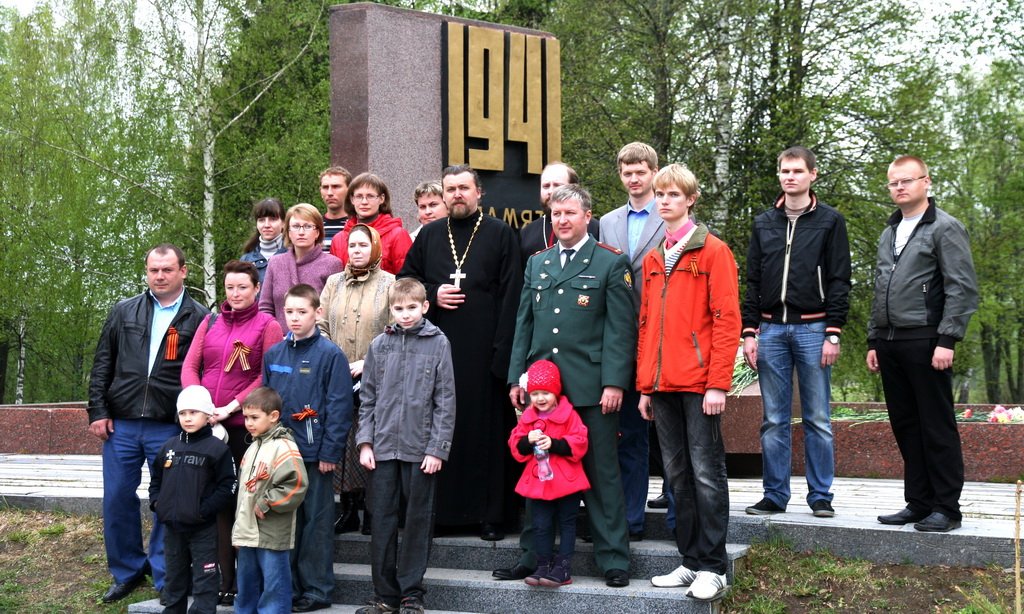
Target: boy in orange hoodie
[689,335]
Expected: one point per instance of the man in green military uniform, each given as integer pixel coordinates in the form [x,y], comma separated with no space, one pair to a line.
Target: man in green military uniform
[576,309]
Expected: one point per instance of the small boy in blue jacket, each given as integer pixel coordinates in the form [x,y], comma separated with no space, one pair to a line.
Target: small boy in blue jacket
[312,376]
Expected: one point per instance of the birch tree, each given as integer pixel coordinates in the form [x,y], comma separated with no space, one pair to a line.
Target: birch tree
[193,40]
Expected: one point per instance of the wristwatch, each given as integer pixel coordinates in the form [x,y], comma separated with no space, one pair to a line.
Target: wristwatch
[833,339]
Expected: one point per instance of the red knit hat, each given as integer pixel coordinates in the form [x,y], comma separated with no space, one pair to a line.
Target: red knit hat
[543,375]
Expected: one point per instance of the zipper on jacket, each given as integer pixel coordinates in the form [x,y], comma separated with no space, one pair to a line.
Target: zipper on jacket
[309,430]
[696,346]
[661,337]
[252,468]
[892,270]
[790,232]
[821,285]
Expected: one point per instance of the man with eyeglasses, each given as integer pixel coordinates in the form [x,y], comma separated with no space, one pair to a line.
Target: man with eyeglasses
[925,294]
[334,190]
[796,303]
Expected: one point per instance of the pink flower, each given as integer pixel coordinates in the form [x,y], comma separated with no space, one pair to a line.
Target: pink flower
[968,413]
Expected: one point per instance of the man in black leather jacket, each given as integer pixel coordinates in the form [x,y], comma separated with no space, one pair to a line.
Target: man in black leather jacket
[135,381]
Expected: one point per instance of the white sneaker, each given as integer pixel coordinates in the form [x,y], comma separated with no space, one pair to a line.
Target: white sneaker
[680,576]
[707,586]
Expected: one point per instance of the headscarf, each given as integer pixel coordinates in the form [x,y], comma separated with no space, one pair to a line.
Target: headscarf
[376,252]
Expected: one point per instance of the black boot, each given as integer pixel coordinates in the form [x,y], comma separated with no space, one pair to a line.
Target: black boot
[348,519]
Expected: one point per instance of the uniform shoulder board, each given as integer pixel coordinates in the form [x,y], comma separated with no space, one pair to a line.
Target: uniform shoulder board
[540,251]
[613,250]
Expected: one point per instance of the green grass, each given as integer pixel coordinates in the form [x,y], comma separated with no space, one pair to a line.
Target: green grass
[775,578]
[53,530]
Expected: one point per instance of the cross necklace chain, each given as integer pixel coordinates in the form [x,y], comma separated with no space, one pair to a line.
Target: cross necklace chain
[458,275]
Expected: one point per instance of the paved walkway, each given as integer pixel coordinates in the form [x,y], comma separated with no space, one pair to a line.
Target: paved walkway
[79,478]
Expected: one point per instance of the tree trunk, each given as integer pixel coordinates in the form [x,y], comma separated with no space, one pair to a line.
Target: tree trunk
[724,112]
[21,328]
[209,251]
[5,347]
[990,363]
[965,388]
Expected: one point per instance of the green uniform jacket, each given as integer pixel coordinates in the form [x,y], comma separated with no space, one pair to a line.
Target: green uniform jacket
[582,319]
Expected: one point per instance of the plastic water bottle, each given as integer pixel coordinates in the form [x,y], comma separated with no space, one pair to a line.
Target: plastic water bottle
[544,471]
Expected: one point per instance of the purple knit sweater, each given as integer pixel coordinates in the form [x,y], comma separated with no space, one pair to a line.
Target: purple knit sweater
[284,271]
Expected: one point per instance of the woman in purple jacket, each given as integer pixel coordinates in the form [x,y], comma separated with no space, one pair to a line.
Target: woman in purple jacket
[305,262]
[226,358]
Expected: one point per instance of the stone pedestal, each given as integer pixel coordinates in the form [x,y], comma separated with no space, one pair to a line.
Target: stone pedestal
[398,75]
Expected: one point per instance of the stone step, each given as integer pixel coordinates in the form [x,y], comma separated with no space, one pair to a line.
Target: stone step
[153,607]
[647,558]
[978,543]
[476,591]
[462,591]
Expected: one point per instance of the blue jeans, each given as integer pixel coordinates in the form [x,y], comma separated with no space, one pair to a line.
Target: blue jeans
[634,460]
[694,456]
[264,581]
[780,349]
[544,515]
[131,444]
[313,556]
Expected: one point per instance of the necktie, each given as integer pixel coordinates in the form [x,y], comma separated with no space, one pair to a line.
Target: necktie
[567,256]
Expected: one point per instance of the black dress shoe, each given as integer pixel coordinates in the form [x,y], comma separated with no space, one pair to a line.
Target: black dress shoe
[491,533]
[519,572]
[308,604]
[616,578]
[347,522]
[658,503]
[937,522]
[904,516]
[120,590]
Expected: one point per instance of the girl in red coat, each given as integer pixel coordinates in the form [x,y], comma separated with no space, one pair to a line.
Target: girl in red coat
[551,439]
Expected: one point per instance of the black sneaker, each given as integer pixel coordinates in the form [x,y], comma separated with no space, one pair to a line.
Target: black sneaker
[765,507]
[822,509]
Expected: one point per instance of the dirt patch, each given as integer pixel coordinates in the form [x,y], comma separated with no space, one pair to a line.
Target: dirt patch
[51,562]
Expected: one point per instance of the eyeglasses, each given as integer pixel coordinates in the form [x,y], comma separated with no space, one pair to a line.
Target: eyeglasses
[364,198]
[301,227]
[903,183]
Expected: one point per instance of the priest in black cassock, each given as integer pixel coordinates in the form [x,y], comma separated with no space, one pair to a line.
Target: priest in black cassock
[471,267]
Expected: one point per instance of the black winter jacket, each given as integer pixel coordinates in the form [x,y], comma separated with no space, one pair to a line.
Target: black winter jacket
[801,274]
[120,385]
[192,479]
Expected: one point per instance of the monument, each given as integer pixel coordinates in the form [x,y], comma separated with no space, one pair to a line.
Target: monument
[413,92]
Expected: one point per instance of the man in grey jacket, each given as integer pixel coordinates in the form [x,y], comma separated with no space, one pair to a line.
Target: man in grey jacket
[925,293]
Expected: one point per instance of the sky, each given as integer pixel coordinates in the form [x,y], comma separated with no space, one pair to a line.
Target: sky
[23,6]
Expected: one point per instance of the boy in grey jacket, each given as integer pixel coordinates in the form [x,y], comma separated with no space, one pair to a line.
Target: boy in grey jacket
[406,422]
